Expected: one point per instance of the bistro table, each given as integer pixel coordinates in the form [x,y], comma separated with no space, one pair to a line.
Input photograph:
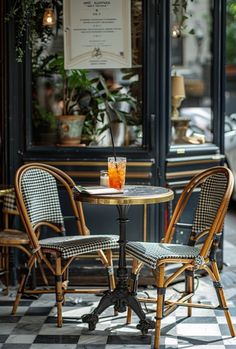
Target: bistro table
[121,297]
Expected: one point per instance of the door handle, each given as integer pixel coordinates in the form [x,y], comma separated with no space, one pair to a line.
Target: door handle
[152,130]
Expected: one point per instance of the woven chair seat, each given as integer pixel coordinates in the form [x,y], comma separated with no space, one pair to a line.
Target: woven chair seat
[150,253]
[11,237]
[71,246]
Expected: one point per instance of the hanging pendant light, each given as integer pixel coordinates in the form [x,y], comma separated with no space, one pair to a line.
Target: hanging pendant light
[176,31]
[49,17]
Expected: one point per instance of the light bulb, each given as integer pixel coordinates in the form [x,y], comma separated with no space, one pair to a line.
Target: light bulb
[49,17]
[49,20]
[176,31]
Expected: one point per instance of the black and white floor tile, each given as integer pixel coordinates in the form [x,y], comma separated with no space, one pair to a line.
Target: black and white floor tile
[34,326]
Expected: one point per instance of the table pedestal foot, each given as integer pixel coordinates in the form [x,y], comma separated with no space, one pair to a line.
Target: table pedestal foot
[145,325]
[91,320]
[120,299]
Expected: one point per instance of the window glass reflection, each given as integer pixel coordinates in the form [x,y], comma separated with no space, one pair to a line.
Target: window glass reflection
[57,92]
[230,93]
[191,60]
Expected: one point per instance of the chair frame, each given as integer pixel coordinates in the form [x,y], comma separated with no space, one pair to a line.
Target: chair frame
[207,262]
[39,254]
[11,238]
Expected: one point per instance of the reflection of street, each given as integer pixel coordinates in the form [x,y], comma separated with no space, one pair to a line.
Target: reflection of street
[228,274]
[230,235]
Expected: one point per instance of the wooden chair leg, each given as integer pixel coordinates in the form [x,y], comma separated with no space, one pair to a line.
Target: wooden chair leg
[221,297]
[4,265]
[110,270]
[129,316]
[65,283]
[108,263]
[22,284]
[159,305]
[44,277]
[133,285]
[59,290]
[1,257]
[189,287]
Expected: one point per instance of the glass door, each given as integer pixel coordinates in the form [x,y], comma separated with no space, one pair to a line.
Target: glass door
[191,31]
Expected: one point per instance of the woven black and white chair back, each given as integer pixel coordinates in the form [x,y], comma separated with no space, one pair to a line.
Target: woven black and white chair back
[41,197]
[9,204]
[210,199]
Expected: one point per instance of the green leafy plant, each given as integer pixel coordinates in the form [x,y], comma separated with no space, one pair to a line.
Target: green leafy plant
[135,116]
[231,32]
[76,88]
[27,17]
[87,96]
[42,118]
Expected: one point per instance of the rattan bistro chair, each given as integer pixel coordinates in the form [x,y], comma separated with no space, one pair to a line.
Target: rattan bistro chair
[213,187]
[38,201]
[10,237]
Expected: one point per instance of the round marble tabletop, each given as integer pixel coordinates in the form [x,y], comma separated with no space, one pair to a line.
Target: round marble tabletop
[132,195]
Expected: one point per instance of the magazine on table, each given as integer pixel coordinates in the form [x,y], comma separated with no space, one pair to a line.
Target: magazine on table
[97,190]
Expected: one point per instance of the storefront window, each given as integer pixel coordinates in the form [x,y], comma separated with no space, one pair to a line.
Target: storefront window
[191,60]
[230,69]
[58,92]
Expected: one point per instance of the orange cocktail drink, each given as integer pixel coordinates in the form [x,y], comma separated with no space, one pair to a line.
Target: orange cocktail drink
[116,172]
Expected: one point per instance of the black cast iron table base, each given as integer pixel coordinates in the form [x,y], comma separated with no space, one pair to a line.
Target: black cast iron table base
[121,297]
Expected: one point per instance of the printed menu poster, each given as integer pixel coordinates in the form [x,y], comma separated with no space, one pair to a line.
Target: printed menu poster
[97,34]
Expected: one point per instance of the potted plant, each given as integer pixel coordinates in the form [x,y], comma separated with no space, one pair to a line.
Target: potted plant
[74,100]
[83,103]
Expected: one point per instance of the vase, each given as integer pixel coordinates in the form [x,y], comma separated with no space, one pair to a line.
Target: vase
[118,132]
[70,129]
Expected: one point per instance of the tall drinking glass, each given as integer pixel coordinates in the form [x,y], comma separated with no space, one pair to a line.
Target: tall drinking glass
[116,172]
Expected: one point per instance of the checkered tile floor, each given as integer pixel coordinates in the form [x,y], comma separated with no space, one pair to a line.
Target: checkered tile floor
[34,326]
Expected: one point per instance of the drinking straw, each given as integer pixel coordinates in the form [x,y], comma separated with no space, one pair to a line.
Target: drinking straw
[108,110]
